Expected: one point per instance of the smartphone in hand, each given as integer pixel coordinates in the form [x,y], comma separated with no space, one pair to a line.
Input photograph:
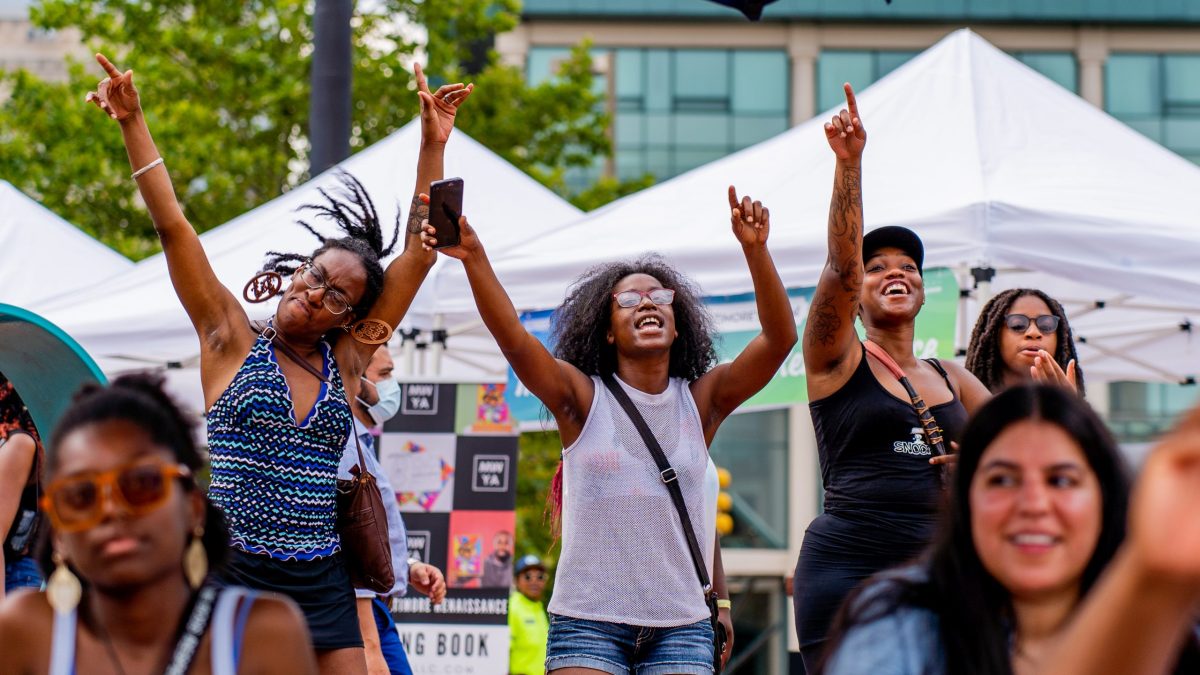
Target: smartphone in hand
[445,206]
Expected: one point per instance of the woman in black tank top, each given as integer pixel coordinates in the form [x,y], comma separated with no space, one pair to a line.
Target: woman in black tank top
[882,483]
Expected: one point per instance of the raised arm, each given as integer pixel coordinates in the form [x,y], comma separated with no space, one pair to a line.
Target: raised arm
[213,310]
[562,388]
[829,337]
[1145,605]
[405,274]
[722,389]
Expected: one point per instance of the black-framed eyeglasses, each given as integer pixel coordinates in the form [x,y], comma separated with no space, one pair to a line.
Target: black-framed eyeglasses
[1046,323]
[312,277]
[659,296]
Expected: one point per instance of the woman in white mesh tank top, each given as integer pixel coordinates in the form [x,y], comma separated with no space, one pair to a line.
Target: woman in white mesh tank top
[627,597]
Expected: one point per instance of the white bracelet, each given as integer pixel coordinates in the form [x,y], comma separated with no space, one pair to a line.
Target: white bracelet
[137,174]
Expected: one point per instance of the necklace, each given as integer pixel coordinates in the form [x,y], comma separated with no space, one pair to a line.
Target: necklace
[109,647]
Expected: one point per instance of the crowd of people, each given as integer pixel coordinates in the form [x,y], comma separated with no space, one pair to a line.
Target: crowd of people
[978,518]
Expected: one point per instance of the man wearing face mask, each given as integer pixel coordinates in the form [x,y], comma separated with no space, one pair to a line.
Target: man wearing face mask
[378,401]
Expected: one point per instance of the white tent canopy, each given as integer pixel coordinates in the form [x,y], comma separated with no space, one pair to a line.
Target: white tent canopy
[43,256]
[993,164]
[136,320]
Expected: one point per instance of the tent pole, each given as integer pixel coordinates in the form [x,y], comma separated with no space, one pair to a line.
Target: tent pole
[960,334]
[437,343]
[408,350]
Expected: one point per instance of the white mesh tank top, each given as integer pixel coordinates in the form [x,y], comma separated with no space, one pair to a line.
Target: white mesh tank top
[624,556]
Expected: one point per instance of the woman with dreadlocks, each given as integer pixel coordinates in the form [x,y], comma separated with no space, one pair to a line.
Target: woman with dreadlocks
[1022,334]
[875,449]
[636,332]
[20,470]
[278,399]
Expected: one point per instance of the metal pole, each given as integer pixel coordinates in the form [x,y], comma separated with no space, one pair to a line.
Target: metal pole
[330,94]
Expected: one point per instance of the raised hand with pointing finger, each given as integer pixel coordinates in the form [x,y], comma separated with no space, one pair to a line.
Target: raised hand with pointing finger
[845,131]
[751,220]
[115,94]
[439,108]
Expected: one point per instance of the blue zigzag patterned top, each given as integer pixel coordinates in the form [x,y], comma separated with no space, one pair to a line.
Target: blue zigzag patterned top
[276,480]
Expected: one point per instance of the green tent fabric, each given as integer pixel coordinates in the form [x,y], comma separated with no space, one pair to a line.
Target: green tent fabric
[44,364]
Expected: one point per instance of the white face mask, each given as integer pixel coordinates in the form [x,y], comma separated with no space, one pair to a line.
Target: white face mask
[389,401]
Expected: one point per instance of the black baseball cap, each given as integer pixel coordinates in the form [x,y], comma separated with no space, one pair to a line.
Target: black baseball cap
[895,236]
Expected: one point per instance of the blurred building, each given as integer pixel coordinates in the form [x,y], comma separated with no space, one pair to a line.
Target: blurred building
[689,81]
[41,52]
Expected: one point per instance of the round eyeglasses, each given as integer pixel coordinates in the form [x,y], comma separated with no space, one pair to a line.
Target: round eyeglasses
[312,277]
[659,296]
[1019,323]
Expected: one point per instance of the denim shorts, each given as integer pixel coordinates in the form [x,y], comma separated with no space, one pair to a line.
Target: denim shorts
[621,649]
[22,573]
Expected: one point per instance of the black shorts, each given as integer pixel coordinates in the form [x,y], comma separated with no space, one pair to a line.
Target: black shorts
[320,587]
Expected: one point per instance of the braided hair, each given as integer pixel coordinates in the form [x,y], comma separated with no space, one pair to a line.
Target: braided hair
[983,353]
[351,208]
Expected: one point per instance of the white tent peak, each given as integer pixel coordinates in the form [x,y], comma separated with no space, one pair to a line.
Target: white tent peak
[989,161]
[43,256]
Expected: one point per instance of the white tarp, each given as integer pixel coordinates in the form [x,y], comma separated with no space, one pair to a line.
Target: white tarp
[990,162]
[43,256]
[138,317]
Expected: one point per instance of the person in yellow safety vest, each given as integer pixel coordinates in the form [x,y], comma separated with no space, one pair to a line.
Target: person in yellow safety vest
[527,621]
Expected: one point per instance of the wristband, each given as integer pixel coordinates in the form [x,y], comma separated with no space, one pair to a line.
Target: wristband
[724,603]
[137,174]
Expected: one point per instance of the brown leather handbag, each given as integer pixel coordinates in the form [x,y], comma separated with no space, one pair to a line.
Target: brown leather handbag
[361,519]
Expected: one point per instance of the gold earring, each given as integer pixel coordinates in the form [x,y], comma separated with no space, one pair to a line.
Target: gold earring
[195,560]
[63,589]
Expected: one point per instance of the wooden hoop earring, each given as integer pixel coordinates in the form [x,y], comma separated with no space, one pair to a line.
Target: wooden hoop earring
[370,331]
[262,287]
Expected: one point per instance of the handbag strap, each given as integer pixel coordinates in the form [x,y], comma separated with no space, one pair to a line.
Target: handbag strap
[666,473]
[932,431]
[268,331]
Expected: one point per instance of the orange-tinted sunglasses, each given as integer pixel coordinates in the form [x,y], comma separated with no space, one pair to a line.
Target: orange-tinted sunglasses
[76,503]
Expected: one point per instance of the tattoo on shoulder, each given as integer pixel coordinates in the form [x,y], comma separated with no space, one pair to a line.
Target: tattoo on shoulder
[418,211]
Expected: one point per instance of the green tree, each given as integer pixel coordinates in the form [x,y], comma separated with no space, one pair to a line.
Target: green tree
[226,89]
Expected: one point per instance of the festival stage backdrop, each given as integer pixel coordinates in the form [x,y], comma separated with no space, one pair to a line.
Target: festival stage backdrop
[736,319]
[451,454]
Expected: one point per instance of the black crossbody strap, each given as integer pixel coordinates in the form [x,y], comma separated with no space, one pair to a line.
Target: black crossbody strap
[666,473]
[193,631]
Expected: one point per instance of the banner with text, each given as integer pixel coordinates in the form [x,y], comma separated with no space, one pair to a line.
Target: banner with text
[736,319]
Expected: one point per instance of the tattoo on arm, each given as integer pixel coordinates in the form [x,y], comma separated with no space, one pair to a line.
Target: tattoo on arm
[823,321]
[845,228]
[418,211]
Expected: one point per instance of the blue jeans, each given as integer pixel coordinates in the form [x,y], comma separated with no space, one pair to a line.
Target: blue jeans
[621,649]
[21,573]
[389,640]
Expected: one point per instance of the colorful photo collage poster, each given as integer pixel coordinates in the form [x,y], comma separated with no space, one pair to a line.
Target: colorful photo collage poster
[451,455]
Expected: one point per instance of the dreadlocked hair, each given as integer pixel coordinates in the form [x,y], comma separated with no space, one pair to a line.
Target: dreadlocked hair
[351,208]
[983,353]
[581,323]
[140,398]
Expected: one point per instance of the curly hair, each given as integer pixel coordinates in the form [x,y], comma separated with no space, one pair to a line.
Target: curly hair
[140,398]
[581,322]
[351,208]
[983,353]
[13,413]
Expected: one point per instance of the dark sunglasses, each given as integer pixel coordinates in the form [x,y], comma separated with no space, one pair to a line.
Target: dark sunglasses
[1046,323]
[76,503]
[659,296]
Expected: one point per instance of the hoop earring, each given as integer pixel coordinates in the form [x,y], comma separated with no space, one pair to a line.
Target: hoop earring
[262,287]
[195,560]
[370,331]
[63,589]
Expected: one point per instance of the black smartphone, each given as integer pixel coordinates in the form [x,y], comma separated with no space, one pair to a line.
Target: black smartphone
[445,206]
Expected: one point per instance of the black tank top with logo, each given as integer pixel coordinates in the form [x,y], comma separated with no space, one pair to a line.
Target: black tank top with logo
[22,532]
[872,449]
